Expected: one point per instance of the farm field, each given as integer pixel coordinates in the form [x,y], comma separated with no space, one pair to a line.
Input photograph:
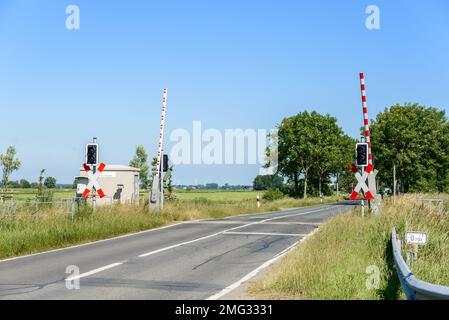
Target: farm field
[218,195]
[30,194]
[210,195]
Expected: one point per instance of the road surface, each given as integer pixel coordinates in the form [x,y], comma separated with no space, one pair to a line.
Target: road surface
[190,260]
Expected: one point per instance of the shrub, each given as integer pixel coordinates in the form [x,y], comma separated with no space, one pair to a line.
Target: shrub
[272,194]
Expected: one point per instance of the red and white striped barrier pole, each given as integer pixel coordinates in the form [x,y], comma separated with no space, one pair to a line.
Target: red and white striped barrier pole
[156,197]
[161,133]
[365,117]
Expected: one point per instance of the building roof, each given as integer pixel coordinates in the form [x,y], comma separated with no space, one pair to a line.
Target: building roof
[117,167]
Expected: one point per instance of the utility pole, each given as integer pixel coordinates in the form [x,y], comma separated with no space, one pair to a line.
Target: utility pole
[394,183]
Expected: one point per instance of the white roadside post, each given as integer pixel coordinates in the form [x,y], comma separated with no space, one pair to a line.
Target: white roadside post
[155,199]
[258,201]
[362,205]
[415,239]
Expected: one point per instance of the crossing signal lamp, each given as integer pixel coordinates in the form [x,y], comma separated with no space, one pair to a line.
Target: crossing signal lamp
[361,154]
[165,163]
[92,154]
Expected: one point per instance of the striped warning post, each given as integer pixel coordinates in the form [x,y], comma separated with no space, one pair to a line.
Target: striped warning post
[93,180]
[161,133]
[365,117]
[361,185]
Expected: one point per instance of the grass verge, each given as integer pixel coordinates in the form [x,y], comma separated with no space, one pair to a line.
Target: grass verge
[342,259]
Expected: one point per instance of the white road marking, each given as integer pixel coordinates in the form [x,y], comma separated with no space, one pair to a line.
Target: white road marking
[227,230]
[316,224]
[178,245]
[265,234]
[256,271]
[264,223]
[86,274]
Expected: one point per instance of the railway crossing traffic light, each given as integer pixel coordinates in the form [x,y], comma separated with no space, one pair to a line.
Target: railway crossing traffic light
[165,163]
[361,157]
[92,154]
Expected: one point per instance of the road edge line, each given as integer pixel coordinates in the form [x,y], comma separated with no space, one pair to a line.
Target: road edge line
[253,273]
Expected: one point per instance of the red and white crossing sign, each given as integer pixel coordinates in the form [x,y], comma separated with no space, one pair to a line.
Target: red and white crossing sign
[361,184]
[93,180]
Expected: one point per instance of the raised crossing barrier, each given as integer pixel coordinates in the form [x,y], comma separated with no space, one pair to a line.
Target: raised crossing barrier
[414,288]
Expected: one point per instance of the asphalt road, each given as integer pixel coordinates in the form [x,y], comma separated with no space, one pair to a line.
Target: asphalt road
[191,260]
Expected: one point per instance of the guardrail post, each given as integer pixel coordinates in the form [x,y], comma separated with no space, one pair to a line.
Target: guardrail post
[414,288]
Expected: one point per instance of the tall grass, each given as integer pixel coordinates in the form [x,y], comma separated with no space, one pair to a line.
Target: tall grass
[27,230]
[332,264]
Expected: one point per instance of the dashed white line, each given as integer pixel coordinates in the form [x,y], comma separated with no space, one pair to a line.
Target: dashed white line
[89,273]
[265,234]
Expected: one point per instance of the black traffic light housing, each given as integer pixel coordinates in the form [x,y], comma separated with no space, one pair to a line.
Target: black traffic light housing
[165,163]
[92,154]
[361,154]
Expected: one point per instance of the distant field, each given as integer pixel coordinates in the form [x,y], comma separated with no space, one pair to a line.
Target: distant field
[30,194]
[211,195]
[218,195]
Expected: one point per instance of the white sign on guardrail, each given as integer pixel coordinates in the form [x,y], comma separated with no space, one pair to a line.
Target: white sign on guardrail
[418,238]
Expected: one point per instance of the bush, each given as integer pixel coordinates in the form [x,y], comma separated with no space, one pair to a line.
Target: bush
[272,194]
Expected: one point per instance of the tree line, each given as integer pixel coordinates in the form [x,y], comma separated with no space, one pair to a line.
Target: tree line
[313,152]
[10,163]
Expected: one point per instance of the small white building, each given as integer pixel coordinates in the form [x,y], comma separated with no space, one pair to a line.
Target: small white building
[119,183]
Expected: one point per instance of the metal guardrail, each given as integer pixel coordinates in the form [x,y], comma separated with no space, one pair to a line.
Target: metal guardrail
[414,288]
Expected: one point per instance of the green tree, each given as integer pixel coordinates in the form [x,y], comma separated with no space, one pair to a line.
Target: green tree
[212,186]
[140,161]
[25,184]
[343,175]
[50,182]
[307,144]
[40,184]
[14,184]
[265,182]
[168,182]
[415,139]
[153,172]
[9,164]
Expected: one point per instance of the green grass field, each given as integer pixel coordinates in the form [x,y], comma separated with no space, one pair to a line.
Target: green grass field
[30,194]
[336,262]
[218,195]
[211,195]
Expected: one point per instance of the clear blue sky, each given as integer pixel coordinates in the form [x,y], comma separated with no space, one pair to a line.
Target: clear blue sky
[230,64]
